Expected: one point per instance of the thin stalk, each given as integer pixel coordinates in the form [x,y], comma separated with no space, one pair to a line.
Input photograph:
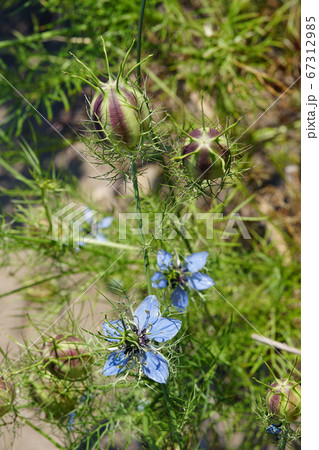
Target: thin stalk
[36,283]
[202,107]
[112,244]
[172,416]
[133,163]
[140,225]
[139,42]
[186,241]
[170,183]
[284,440]
[47,212]
[90,242]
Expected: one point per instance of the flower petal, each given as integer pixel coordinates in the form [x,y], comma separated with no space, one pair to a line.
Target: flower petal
[113,330]
[155,366]
[80,244]
[164,329]
[164,260]
[179,298]
[88,215]
[200,281]
[100,237]
[196,261]
[105,223]
[70,423]
[159,281]
[115,363]
[147,312]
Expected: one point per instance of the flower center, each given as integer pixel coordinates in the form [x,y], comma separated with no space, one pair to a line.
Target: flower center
[135,340]
[176,276]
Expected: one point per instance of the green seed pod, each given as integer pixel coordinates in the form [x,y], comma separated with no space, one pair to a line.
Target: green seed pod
[283,400]
[55,397]
[205,157]
[7,396]
[67,357]
[120,114]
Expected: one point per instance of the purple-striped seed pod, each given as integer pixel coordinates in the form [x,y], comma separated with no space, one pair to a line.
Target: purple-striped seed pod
[120,114]
[208,158]
[283,400]
[7,396]
[67,357]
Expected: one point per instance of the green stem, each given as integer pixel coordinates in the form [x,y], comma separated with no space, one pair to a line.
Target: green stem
[36,283]
[139,41]
[41,432]
[186,241]
[202,107]
[172,416]
[284,440]
[140,225]
[112,244]
[133,164]
[170,183]
[47,212]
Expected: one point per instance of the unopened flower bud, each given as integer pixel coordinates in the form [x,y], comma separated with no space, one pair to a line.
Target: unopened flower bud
[283,400]
[67,357]
[7,396]
[120,114]
[208,157]
[55,397]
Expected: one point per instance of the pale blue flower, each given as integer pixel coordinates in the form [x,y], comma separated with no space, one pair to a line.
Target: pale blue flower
[179,277]
[70,424]
[95,227]
[274,429]
[135,338]
[72,415]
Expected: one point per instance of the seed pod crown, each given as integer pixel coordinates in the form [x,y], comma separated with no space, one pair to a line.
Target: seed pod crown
[206,156]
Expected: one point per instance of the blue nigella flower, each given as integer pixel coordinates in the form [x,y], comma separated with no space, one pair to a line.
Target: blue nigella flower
[71,416]
[102,225]
[70,424]
[135,338]
[274,429]
[96,227]
[179,276]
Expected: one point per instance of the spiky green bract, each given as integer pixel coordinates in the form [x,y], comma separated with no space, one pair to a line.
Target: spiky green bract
[120,114]
[7,396]
[56,397]
[283,400]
